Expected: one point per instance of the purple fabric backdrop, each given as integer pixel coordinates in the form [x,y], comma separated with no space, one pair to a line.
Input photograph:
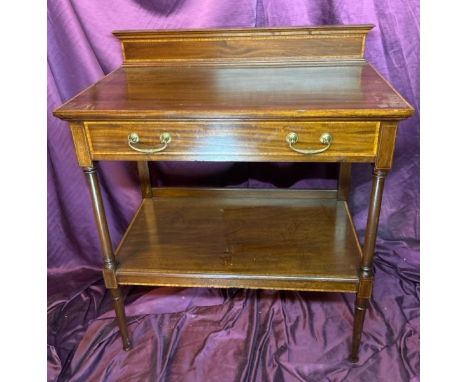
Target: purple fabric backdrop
[225,335]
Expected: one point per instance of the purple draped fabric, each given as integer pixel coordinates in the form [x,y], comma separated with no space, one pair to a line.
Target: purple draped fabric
[225,335]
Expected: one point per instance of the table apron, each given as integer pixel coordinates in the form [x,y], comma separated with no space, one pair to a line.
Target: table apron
[352,141]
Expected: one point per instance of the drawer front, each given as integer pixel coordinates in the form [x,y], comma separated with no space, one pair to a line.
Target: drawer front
[234,141]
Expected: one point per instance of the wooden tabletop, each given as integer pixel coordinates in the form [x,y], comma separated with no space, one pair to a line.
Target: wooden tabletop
[216,91]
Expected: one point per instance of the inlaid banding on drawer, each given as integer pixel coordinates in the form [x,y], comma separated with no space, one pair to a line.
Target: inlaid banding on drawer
[233,141]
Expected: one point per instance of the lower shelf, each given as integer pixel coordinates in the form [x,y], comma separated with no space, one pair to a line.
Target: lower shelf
[270,239]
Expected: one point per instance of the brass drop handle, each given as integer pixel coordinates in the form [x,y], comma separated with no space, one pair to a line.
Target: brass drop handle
[325,138]
[134,138]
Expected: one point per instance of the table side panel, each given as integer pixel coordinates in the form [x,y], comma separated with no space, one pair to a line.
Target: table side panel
[386,145]
[80,141]
[313,285]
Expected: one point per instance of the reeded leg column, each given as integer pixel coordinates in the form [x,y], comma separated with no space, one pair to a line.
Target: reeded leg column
[107,254]
[366,276]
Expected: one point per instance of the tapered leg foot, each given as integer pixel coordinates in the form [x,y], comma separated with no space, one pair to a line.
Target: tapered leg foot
[359,314]
[127,346]
[121,319]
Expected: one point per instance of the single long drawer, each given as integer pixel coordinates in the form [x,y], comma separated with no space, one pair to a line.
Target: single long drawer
[234,141]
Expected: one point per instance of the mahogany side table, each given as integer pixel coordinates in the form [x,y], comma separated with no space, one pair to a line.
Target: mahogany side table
[264,94]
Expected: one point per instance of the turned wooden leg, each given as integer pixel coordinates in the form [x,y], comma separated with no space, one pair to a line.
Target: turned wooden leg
[366,276]
[119,307]
[359,315]
[110,264]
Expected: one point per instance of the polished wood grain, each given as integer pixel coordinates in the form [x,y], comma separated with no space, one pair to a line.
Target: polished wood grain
[109,263]
[119,307]
[145,179]
[254,45]
[100,217]
[366,272]
[234,95]
[247,193]
[386,145]
[80,141]
[262,240]
[333,91]
[224,140]
[344,180]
